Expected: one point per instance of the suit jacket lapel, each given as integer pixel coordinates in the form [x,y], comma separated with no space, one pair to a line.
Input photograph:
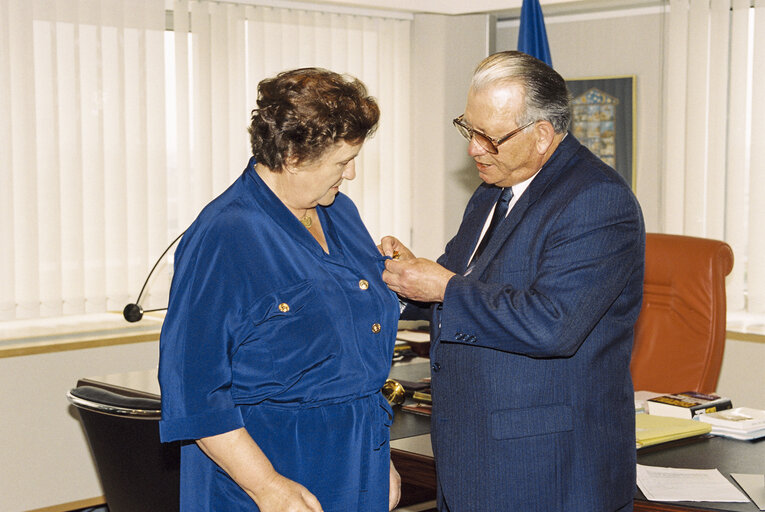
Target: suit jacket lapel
[470,229]
[549,173]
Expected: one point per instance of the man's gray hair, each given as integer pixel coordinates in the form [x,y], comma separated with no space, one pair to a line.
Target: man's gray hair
[546,96]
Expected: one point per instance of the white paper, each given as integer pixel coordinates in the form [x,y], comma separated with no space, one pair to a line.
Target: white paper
[753,486]
[672,484]
[416,336]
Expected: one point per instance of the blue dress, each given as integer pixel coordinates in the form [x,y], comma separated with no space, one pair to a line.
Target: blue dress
[266,331]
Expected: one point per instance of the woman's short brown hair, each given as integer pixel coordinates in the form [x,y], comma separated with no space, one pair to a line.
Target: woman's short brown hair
[301,113]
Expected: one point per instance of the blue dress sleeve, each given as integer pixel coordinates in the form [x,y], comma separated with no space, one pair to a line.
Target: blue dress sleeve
[202,327]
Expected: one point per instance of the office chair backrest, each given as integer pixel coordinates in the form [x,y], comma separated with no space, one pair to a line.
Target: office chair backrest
[680,334]
[138,473]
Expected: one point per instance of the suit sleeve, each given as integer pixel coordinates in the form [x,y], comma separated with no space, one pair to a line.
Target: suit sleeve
[593,247]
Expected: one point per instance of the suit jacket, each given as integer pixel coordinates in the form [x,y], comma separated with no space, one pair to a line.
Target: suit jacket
[533,405]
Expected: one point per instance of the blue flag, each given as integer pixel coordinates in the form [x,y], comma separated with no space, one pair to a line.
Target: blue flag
[532,38]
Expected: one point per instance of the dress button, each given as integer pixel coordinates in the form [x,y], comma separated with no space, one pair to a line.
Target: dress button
[284,307]
[435,367]
[376,328]
[363,284]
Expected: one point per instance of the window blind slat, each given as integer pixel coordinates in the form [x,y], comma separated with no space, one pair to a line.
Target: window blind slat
[7,228]
[156,151]
[118,284]
[202,163]
[94,222]
[399,123]
[737,164]
[47,120]
[714,220]
[674,149]
[238,149]
[696,137]
[23,154]
[219,97]
[181,170]
[756,242]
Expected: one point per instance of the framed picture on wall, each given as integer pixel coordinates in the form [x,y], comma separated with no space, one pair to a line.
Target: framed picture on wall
[604,120]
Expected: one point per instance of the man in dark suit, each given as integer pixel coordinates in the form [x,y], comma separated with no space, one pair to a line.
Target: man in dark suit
[532,309]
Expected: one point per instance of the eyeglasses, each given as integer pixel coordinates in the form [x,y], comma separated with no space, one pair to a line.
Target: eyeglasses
[490,144]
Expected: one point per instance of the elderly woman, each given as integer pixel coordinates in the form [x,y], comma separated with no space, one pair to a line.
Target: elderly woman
[279,332]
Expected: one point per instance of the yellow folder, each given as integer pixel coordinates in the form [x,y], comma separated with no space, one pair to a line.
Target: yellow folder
[651,430]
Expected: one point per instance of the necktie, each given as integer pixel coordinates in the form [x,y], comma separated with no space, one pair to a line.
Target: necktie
[500,211]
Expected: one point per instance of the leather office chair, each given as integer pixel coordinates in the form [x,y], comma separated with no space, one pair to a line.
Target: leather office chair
[680,333]
[137,472]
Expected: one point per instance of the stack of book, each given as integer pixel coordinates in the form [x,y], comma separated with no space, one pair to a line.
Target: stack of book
[688,404]
[423,403]
[739,423]
[650,430]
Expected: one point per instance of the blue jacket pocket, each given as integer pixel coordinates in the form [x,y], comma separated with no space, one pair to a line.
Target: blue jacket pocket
[531,421]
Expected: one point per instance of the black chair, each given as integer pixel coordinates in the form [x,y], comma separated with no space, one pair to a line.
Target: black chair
[138,473]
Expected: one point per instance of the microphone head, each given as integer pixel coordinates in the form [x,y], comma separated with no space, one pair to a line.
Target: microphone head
[132,312]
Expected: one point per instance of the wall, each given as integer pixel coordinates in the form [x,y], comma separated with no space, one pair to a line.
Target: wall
[616,43]
[582,45]
[44,456]
[445,50]
[742,377]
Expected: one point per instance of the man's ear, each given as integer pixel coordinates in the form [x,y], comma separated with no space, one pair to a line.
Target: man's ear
[545,133]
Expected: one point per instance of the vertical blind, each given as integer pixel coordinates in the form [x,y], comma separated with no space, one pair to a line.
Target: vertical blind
[116,132]
[715,136]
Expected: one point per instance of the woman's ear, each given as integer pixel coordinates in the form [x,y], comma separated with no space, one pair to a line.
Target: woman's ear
[290,165]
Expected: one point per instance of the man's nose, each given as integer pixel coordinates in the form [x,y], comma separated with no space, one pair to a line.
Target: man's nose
[475,149]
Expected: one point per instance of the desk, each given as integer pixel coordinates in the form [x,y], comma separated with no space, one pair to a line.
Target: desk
[727,455]
[413,456]
[414,459]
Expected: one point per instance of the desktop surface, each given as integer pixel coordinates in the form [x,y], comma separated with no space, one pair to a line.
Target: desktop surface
[706,452]
[413,455]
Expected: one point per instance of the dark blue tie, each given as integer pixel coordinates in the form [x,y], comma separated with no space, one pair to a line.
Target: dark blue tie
[500,212]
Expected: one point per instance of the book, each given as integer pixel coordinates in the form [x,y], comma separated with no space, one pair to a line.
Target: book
[418,408]
[651,430]
[740,423]
[687,404]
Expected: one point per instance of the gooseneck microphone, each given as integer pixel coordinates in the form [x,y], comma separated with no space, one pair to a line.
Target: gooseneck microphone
[133,312]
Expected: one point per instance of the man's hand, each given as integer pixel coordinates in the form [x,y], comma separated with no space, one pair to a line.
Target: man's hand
[392,246]
[417,279]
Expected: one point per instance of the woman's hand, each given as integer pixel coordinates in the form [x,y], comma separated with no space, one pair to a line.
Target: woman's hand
[281,494]
[240,456]
[394,495]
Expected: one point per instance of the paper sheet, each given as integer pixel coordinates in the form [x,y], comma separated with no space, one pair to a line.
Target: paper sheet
[754,487]
[671,484]
[413,336]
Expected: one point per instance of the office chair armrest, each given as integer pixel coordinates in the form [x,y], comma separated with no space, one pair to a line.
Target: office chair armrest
[107,402]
